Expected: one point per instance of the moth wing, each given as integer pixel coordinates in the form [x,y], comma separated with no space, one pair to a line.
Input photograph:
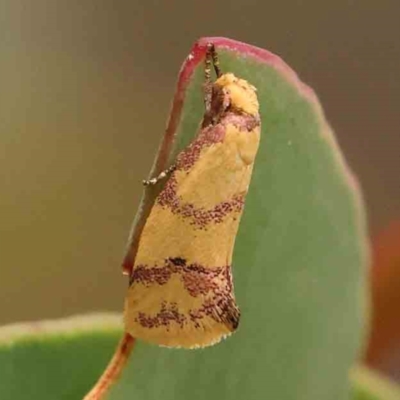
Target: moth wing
[182,293]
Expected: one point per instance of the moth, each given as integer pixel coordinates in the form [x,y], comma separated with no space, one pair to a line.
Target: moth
[181,292]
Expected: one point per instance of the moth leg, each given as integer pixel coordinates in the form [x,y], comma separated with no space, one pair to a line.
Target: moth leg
[162,175]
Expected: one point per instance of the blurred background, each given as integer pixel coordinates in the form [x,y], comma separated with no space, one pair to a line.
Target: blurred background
[85,89]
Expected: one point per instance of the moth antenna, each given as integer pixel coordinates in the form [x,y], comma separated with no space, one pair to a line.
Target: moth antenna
[211,58]
[215,59]
[207,79]
[162,175]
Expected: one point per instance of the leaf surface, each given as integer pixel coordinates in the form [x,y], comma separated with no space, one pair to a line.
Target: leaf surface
[300,259]
[299,264]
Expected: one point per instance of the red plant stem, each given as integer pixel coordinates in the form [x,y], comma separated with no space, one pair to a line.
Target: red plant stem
[113,370]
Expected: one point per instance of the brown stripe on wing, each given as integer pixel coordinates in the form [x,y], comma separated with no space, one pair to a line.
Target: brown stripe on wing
[199,217]
[214,134]
[224,312]
[214,284]
[168,312]
[197,279]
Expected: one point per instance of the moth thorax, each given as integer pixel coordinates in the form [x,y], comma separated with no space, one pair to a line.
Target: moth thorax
[239,93]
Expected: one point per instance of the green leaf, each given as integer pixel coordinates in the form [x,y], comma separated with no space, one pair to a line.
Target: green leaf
[299,263]
[300,257]
[58,360]
[61,359]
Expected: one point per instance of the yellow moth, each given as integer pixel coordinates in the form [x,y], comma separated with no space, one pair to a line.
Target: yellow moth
[181,292]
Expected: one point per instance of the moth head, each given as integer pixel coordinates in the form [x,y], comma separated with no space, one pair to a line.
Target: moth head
[238,94]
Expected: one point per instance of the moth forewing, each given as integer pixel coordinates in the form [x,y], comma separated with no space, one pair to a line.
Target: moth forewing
[181,292]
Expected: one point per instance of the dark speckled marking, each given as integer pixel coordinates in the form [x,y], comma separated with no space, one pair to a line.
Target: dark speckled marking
[168,312]
[215,285]
[200,217]
[197,279]
[178,261]
[207,137]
